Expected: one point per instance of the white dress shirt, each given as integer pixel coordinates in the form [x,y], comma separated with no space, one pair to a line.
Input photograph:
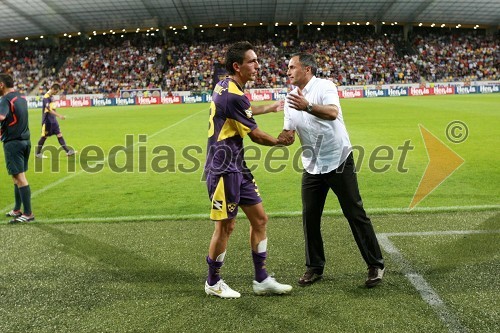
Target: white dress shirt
[325,143]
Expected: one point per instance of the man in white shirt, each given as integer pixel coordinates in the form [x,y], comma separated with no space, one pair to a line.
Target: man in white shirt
[312,110]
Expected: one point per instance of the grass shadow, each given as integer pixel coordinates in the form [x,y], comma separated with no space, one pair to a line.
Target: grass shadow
[121,264]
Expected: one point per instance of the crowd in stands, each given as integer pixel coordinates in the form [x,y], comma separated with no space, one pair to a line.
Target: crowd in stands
[107,68]
[25,64]
[454,57]
[362,60]
[110,64]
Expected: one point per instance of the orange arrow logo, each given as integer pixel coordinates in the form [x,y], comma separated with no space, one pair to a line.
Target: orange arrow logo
[442,163]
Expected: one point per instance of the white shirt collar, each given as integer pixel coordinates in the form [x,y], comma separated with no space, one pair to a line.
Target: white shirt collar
[309,84]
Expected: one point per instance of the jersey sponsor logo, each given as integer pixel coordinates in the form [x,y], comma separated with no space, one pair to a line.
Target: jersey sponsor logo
[232,206]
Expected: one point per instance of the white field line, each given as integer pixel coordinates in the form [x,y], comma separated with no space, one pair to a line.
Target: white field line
[438,233]
[135,218]
[428,294]
[171,217]
[62,180]
[201,216]
[397,210]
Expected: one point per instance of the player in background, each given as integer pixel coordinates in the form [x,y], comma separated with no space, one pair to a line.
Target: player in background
[230,183]
[50,126]
[15,135]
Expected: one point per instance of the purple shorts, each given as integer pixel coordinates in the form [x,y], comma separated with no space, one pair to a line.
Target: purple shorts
[50,128]
[229,190]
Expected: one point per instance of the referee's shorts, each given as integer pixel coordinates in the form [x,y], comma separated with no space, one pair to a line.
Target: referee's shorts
[17,154]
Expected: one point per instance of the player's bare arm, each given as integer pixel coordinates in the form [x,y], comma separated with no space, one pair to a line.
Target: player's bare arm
[265,139]
[58,115]
[262,109]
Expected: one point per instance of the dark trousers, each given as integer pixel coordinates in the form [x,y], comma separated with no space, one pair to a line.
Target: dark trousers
[344,184]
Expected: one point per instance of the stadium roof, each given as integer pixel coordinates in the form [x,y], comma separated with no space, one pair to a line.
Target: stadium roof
[20,18]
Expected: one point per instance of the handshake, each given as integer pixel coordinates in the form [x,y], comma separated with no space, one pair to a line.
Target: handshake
[286,138]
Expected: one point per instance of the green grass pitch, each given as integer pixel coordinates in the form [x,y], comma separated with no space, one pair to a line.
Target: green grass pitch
[120,238]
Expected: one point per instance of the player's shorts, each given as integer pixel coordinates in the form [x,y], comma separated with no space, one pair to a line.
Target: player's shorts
[230,190]
[17,154]
[50,128]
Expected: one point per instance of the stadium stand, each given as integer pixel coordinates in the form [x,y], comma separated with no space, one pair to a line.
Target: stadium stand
[457,56]
[26,64]
[355,56]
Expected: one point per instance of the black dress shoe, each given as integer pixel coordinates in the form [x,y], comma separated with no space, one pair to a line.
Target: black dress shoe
[309,278]
[375,276]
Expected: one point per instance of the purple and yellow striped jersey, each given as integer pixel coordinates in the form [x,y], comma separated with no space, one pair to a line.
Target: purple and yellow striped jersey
[48,104]
[230,120]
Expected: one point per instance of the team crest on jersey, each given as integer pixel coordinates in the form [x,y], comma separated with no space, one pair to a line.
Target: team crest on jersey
[249,113]
[217,205]
[231,206]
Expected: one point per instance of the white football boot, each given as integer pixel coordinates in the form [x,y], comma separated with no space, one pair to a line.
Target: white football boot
[270,286]
[221,289]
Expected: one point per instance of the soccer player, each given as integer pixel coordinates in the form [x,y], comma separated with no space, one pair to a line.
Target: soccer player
[50,126]
[230,183]
[15,135]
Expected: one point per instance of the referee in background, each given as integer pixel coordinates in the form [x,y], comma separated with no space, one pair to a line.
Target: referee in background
[15,135]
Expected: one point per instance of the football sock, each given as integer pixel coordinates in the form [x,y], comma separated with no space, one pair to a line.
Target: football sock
[62,143]
[214,270]
[262,246]
[259,261]
[25,193]
[40,144]
[221,256]
[17,196]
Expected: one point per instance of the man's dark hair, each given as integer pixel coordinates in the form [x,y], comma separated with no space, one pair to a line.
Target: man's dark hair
[307,59]
[56,86]
[236,53]
[7,80]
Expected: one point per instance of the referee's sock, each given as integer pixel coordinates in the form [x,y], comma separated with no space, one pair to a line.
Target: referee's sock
[17,196]
[25,193]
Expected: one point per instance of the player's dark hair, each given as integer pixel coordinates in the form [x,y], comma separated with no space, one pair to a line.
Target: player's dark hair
[56,86]
[236,53]
[7,80]
[307,59]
